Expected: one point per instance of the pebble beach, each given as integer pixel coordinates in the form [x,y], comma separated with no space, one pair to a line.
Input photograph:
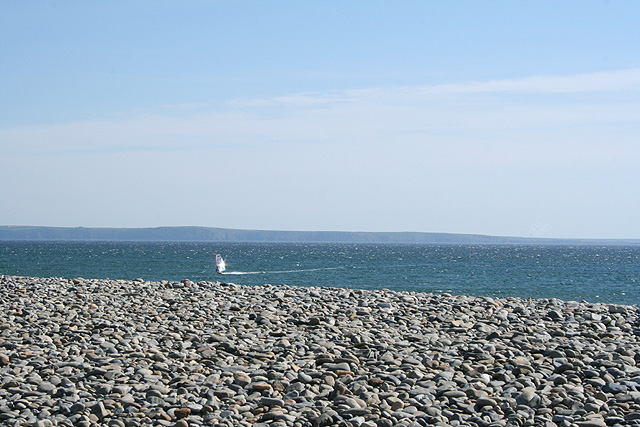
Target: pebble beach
[83,352]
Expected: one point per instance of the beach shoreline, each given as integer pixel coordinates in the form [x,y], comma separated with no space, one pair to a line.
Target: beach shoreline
[88,352]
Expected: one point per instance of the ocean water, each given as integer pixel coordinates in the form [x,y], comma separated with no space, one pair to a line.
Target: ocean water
[608,274]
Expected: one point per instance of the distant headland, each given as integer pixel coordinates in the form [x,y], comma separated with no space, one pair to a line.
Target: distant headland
[213,234]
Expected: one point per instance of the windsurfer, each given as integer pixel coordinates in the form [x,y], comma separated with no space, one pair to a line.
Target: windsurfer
[220,267]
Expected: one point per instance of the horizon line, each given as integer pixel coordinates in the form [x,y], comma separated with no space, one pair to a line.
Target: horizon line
[249,230]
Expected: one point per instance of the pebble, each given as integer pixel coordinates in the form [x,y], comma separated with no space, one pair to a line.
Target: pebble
[84,352]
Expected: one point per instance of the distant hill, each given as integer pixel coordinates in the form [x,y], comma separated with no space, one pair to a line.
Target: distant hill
[211,234]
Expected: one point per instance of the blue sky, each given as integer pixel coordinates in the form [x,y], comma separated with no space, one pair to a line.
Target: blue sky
[503,118]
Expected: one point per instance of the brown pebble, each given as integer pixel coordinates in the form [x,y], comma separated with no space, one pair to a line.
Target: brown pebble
[261,386]
[375,381]
[182,412]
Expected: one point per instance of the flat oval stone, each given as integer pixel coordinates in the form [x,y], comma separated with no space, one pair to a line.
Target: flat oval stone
[269,401]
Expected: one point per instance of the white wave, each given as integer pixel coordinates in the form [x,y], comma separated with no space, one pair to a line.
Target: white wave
[281,271]
[226,273]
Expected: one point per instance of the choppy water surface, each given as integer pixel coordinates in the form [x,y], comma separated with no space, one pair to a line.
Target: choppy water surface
[592,273]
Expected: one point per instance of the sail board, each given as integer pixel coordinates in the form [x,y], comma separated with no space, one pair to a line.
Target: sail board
[220,267]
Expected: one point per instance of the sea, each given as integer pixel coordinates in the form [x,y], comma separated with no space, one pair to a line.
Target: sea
[593,273]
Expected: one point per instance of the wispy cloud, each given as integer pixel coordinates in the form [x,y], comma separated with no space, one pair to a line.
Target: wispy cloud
[605,81]
[403,115]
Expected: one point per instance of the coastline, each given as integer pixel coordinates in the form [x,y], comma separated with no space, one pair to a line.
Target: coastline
[129,353]
[217,234]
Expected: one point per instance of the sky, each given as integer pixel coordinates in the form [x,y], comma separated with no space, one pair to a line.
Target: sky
[486,117]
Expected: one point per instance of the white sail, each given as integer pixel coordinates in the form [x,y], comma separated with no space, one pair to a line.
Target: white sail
[220,267]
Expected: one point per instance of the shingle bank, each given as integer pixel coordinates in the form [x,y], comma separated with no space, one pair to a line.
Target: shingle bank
[132,353]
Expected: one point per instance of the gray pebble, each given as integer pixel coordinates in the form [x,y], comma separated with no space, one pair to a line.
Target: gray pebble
[129,353]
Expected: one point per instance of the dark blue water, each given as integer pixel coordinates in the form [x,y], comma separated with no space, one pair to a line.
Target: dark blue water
[593,273]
